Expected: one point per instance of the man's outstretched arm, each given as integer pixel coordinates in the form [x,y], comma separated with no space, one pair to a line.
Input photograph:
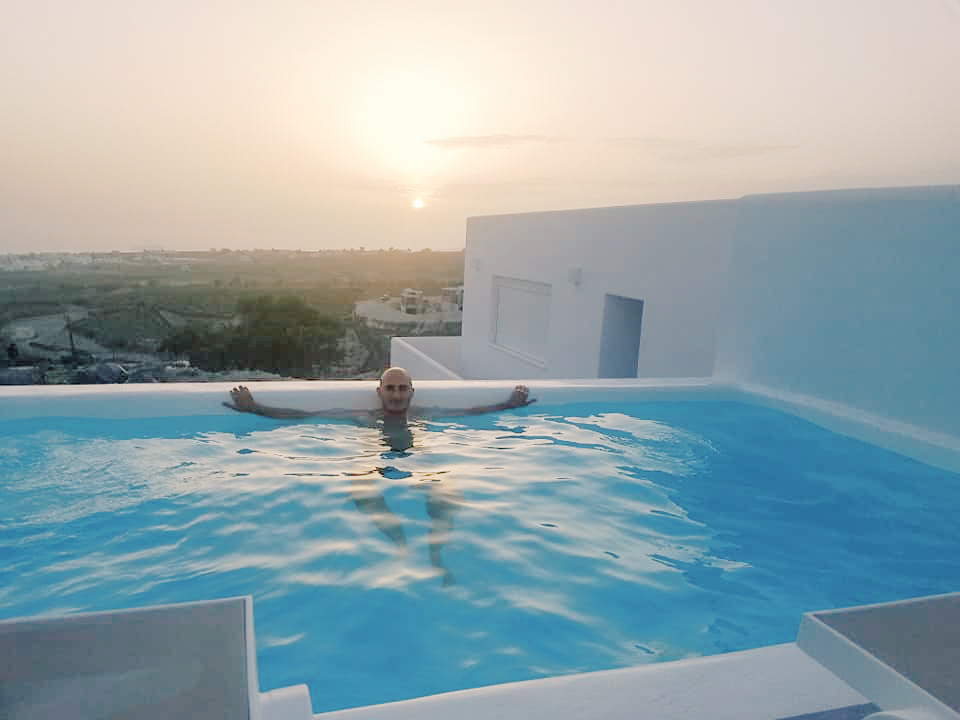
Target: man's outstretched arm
[520,397]
[243,402]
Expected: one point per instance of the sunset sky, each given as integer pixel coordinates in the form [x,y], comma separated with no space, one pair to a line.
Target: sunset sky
[196,124]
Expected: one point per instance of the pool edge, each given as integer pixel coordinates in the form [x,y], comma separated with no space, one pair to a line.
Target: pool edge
[182,399]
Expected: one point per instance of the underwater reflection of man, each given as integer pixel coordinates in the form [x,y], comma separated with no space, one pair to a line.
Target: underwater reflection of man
[444,498]
[395,392]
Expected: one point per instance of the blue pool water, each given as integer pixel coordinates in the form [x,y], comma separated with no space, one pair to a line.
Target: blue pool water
[580,538]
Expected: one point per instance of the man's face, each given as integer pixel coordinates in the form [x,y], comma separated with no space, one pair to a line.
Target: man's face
[396,391]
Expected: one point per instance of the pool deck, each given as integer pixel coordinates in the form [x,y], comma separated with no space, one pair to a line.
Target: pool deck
[780,681]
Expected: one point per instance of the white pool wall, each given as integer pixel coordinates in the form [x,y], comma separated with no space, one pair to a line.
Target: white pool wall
[850,297]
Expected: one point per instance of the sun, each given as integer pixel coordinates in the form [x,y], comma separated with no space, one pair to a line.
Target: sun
[418,203]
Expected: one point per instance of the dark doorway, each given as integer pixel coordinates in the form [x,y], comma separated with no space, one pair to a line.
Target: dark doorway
[620,337]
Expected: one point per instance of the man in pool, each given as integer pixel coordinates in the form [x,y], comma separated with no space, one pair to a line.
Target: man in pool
[396,393]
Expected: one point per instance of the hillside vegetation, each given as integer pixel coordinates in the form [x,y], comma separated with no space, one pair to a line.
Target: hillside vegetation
[273,310]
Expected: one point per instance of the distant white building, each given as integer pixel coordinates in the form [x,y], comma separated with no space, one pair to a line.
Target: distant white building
[452,297]
[412,312]
[33,262]
[412,301]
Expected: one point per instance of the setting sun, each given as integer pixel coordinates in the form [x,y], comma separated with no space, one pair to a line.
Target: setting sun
[418,203]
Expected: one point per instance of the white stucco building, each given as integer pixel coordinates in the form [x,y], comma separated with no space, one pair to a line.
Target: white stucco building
[846,296]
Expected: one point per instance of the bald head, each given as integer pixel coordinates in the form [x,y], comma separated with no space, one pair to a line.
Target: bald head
[395,374]
[395,391]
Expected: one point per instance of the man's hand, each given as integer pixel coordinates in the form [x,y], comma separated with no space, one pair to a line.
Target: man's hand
[242,400]
[520,397]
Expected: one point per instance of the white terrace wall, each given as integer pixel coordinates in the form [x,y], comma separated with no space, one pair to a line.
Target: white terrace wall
[536,289]
[851,297]
[427,358]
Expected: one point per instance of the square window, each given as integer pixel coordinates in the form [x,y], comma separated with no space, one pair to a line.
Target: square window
[521,317]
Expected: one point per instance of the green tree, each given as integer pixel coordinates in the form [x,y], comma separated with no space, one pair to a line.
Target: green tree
[279,335]
[206,346]
[283,335]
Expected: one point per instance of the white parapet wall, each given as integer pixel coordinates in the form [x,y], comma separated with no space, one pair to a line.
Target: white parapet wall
[541,290]
[427,358]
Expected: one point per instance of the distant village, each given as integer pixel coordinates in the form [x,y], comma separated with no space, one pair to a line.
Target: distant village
[49,308]
[54,260]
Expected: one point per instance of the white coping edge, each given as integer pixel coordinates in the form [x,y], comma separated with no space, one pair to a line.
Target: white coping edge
[778,681]
[182,399]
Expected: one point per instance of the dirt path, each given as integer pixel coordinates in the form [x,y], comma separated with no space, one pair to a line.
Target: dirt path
[51,332]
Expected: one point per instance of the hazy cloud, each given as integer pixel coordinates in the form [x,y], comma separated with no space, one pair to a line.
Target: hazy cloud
[485,141]
[683,151]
